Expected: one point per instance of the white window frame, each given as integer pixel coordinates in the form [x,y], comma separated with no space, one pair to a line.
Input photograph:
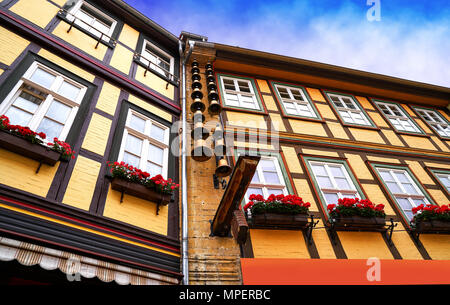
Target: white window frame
[351,112]
[266,186]
[306,102]
[404,194]
[240,94]
[146,141]
[52,95]
[145,59]
[353,192]
[72,14]
[396,120]
[440,126]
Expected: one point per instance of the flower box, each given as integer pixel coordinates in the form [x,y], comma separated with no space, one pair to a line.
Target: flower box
[282,221]
[140,191]
[25,148]
[433,225]
[356,221]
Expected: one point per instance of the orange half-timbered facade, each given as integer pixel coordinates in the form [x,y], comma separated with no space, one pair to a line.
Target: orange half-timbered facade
[322,133]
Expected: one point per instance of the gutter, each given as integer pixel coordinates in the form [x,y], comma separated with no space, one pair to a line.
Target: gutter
[184,218]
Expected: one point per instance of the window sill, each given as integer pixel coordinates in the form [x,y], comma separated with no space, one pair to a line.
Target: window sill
[25,148]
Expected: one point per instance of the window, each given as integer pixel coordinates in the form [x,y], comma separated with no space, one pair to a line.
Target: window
[403,188]
[398,118]
[444,178]
[435,120]
[295,101]
[156,59]
[239,92]
[145,144]
[349,110]
[45,101]
[268,179]
[333,180]
[92,20]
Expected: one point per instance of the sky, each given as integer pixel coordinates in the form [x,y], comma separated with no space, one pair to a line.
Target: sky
[405,39]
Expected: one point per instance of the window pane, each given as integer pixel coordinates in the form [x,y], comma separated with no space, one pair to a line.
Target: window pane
[253,190]
[404,203]
[336,171]
[271,178]
[58,112]
[331,198]
[155,154]
[137,123]
[255,178]
[133,145]
[68,90]
[18,117]
[342,183]
[409,188]
[324,182]
[393,187]
[43,78]
[157,133]
[154,169]
[51,128]
[274,191]
[319,170]
[131,159]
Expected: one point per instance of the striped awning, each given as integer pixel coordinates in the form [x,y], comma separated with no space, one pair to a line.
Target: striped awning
[76,266]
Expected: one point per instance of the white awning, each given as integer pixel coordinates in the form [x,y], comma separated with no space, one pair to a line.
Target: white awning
[74,265]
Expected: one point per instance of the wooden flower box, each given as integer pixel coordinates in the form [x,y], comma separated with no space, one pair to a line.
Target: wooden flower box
[359,222]
[433,226]
[140,191]
[25,148]
[282,221]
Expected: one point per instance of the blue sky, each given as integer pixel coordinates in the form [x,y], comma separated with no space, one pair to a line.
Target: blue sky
[411,40]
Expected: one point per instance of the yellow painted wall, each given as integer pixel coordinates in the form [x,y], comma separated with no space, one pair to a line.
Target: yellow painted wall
[320,152]
[136,211]
[404,244]
[377,119]
[39,12]
[439,197]
[97,134]
[270,103]
[82,183]
[375,195]
[392,137]
[122,59]
[20,172]
[254,145]
[263,85]
[80,40]
[363,245]
[150,108]
[289,244]
[440,143]
[420,172]
[67,65]
[337,130]
[359,166]
[245,120]
[322,242]
[129,36]
[315,94]
[108,99]
[366,135]
[383,159]
[277,122]
[11,46]
[292,159]
[364,102]
[437,245]
[418,142]
[307,127]
[155,82]
[325,111]
[304,191]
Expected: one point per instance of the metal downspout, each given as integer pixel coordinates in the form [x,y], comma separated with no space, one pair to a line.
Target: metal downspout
[184,221]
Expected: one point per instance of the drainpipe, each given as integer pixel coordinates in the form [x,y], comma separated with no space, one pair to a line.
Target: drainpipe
[184,219]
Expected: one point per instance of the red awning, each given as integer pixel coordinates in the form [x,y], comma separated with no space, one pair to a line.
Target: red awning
[273,271]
